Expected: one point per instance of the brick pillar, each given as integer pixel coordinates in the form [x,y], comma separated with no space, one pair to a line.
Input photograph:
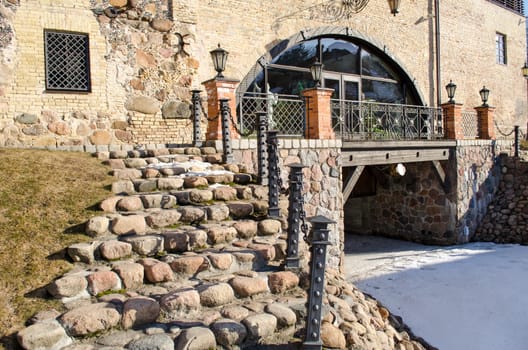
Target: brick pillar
[216,90]
[453,121]
[485,118]
[318,114]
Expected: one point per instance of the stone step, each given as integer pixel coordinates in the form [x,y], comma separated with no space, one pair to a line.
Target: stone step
[182,261]
[176,198]
[142,153]
[171,234]
[203,316]
[217,183]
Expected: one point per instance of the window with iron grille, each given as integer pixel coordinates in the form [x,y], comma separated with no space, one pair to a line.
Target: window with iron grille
[67,61]
[514,5]
[500,48]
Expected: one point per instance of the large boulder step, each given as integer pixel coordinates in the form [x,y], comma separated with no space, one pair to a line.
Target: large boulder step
[238,311]
[163,184]
[175,236]
[141,221]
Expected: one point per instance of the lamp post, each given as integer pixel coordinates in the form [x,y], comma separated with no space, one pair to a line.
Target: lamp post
[219,57]
[484,94]
[451,88]
[317,71]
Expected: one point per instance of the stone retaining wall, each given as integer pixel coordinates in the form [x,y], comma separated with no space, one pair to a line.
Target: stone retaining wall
[507,218]
[323,194]
[478,175]
[420,207]
[415,206]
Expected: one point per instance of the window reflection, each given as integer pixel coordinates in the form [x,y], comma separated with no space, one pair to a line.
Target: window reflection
[340,56]
[381,78]
[382,91]
[301,55]
[374,66]
[288,82]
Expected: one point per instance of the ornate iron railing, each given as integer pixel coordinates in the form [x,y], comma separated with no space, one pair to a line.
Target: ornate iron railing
[470,127]
[285,113]
[355,120]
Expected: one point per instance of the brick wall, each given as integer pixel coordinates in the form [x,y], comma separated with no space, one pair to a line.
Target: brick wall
[132,57]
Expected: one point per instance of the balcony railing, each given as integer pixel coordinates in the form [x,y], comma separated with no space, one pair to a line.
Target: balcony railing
[355,120]
[351,120]
[285,113]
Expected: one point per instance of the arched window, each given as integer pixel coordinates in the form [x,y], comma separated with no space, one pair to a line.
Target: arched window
[355,69]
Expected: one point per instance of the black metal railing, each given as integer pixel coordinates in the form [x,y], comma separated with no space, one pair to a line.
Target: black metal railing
[285,113]
[357,120]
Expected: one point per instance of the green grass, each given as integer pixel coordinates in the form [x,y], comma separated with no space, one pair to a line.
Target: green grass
[45,197]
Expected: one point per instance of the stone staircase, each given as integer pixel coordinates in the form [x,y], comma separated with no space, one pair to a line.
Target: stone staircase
[184,256]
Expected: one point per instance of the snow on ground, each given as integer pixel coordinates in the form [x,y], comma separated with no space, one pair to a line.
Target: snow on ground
[472,296]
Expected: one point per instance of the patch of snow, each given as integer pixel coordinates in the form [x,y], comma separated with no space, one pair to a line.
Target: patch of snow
[472,296]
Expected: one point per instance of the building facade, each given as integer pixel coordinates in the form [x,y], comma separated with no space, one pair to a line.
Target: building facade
[98,74]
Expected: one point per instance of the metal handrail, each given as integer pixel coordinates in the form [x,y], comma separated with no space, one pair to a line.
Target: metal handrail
[365,120]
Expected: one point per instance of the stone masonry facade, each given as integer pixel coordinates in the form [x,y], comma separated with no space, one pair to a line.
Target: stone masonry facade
[147,55]
[322,190]
[420,207]
[507,217]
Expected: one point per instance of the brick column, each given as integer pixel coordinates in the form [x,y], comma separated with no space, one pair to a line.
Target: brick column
[453,121]
[485,118]
[216,90]
[318,114]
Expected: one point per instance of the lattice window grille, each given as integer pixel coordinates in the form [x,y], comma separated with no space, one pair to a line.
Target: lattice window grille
[67,61]
[470,124]
[515,5]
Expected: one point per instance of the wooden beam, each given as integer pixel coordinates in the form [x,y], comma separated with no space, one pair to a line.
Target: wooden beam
[442,175]
[372,157]
[439,170]
[352,181]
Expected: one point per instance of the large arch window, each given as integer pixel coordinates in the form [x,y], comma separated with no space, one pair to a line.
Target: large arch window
[356,70]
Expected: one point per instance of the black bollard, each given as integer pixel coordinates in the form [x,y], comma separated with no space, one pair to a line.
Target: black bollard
[274,182]
[295,215]
[517,141]
[318,238]
[196,113]
[261,149]
[226,133]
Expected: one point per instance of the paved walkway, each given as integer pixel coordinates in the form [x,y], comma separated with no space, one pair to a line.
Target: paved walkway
[461,297]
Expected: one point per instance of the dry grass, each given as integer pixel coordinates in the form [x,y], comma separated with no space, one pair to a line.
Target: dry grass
[45,197]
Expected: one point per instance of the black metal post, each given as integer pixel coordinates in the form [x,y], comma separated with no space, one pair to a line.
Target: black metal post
[517,141]
[319,240]
[196,109]
[295,215]
[274,174]
[226,133]
[261,148]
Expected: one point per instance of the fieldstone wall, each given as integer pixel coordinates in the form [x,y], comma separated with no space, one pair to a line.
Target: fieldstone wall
[323,194]
[478,176]
[141,76]
[507,218]
[146,56]
[414,207]
[420,207]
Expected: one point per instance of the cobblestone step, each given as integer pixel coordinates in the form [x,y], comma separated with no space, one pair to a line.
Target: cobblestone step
[182,260]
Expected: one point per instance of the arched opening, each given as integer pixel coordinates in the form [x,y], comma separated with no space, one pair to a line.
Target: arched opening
[356,69]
